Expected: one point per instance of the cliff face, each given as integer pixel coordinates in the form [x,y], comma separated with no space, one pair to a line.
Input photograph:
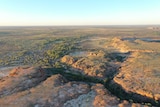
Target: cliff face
[31,87]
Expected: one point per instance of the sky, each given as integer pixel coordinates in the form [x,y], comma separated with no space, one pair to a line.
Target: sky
[79,12]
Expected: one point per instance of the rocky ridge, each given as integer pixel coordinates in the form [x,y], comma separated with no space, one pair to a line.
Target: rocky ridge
[94,64]
[54,91]
[140,72]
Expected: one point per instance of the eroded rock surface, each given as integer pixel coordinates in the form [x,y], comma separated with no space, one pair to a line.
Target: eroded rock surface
[94,64]
[99,97]
[54,91]
[20,79]
[139,76]
[140,73]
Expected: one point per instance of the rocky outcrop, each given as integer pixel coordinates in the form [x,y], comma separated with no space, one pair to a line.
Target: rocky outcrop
[97,54]
[94,65]
[125,45]
[103,97]
[120,44]
[99,96]
[54,91]
[140,74]
[68,59]
[20,79]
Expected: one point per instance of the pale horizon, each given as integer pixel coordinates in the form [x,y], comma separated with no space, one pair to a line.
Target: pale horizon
[79,13]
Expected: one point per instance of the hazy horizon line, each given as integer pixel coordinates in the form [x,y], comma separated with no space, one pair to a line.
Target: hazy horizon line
[77,25]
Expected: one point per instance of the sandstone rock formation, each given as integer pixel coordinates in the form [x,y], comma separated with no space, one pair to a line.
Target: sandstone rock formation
[26,89]
[20,79]
[68,59]
[140,74]
[120,44]
[54,91]
[95,65]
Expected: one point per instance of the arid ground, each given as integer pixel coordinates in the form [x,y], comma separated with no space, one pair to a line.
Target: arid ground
[80,66]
